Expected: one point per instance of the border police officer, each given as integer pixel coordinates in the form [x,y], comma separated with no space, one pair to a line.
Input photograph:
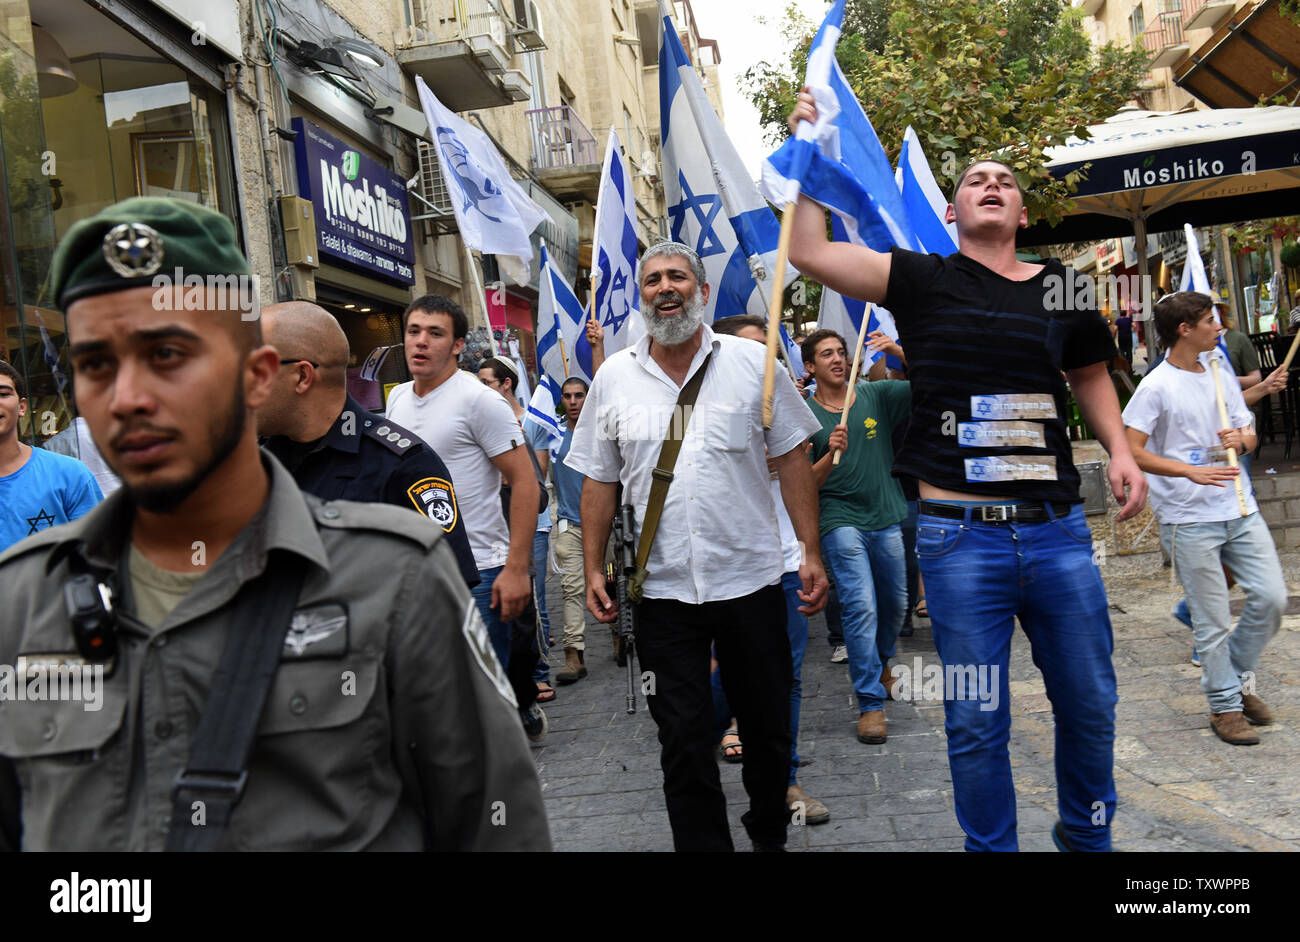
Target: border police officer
[387,724]
[336,449]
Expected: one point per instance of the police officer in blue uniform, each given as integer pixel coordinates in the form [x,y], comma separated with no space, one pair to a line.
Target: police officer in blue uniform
[335,448]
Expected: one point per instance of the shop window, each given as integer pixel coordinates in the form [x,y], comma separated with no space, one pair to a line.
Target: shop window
[90,114]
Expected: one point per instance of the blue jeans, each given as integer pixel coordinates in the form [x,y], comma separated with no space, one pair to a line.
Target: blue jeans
[541,549]
[796,624]
[978,578]
[1246,547]
[498,631]
[871,578]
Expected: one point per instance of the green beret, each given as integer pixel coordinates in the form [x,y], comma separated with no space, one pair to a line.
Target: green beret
[129,243]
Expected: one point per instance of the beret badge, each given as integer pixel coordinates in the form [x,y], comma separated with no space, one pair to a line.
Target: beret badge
[133,250]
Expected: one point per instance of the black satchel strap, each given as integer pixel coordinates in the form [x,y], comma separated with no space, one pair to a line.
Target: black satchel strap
[218,764]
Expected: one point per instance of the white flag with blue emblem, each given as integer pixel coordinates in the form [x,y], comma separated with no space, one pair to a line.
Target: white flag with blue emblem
[713,205]
[1195,279]
[614,257]
[560,321]
[493,212]
[923,200]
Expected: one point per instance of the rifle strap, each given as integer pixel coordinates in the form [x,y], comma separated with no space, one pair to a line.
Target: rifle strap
[217,771]
[662,476]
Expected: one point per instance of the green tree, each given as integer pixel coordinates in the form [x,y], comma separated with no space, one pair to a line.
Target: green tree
[1002,78]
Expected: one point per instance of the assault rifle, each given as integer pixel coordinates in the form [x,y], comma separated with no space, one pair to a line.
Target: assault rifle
[617,574]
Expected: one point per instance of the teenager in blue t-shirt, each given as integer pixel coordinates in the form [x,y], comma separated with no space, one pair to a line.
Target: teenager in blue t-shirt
[38,488]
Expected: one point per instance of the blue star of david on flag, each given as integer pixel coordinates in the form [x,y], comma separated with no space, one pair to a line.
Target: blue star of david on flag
[705,209]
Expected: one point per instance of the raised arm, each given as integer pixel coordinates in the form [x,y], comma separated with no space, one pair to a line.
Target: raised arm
[852,270]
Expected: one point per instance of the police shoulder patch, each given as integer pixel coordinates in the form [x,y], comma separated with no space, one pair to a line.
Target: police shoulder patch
[393,437]
[437,498]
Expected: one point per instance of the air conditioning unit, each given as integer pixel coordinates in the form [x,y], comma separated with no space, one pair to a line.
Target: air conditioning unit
[489,52]
[432,187]
[517,85]
[528,26]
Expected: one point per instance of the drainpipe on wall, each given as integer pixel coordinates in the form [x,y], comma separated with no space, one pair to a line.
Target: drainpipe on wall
[279,258]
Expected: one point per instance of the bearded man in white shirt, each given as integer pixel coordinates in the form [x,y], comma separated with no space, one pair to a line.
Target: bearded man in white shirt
[715,566]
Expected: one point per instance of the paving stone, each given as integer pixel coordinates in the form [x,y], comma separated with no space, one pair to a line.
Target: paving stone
[1180,788]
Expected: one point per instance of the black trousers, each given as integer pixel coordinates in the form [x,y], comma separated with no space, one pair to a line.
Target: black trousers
[753,651]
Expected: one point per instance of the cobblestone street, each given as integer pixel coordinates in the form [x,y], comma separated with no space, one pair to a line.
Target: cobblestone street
[1180,788]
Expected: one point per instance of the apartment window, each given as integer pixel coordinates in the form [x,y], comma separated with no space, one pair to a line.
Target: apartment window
[1137,24]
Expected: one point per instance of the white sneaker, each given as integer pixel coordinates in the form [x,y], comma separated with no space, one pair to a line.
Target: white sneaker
[840,655]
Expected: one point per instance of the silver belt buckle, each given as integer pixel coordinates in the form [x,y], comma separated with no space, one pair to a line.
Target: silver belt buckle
[997,513]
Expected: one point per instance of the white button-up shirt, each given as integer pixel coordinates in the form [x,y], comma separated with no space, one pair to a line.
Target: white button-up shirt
[718,537]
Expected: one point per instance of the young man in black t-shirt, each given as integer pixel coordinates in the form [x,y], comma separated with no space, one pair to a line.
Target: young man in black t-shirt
[1001,532]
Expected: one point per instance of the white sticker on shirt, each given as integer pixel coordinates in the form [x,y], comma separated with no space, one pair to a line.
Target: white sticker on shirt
[480,645]
[1000,434]
[1013,406]
[1012,468]
[1213,455]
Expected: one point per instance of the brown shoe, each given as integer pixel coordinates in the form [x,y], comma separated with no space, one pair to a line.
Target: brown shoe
[871,727]
[887,678]
[812,810]
[1256,710]
[1232,728]
[574,668]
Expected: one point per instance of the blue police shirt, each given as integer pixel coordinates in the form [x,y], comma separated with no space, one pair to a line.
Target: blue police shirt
[48,490]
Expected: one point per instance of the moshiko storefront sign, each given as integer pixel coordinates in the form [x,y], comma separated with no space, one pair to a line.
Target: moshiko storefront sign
[363,220]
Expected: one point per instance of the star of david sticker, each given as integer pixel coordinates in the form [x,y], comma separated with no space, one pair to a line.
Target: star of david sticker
[705,209]
[977,470]
[39,522]
[968,434]
[985,409]
[133,250]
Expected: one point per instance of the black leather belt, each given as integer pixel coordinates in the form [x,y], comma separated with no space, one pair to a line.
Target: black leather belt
[1035,512]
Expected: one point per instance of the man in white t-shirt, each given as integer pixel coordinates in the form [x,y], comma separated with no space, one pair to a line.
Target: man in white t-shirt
[474,431]
[1173,428]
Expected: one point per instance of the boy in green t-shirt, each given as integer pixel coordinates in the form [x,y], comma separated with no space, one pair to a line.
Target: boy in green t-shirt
[861,506]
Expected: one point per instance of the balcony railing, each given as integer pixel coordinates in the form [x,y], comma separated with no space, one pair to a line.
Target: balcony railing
[1165,41]
[560,139]
[434,21]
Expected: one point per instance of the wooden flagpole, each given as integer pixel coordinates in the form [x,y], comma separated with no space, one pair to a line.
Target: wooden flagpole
[1290,354]
[1223,417]
[853,377]
[774,310]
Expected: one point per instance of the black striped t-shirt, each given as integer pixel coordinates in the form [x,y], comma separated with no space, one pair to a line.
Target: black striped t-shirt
[984,356]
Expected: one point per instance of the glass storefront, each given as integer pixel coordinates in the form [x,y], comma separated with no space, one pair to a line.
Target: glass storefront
[90,114]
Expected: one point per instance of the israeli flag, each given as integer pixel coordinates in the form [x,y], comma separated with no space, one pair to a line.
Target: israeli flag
[542,411]
[1195,279]
[560,322]
[617,303]
[713,205]
[493,212]
[838,161]
[923,201]
[844,315]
